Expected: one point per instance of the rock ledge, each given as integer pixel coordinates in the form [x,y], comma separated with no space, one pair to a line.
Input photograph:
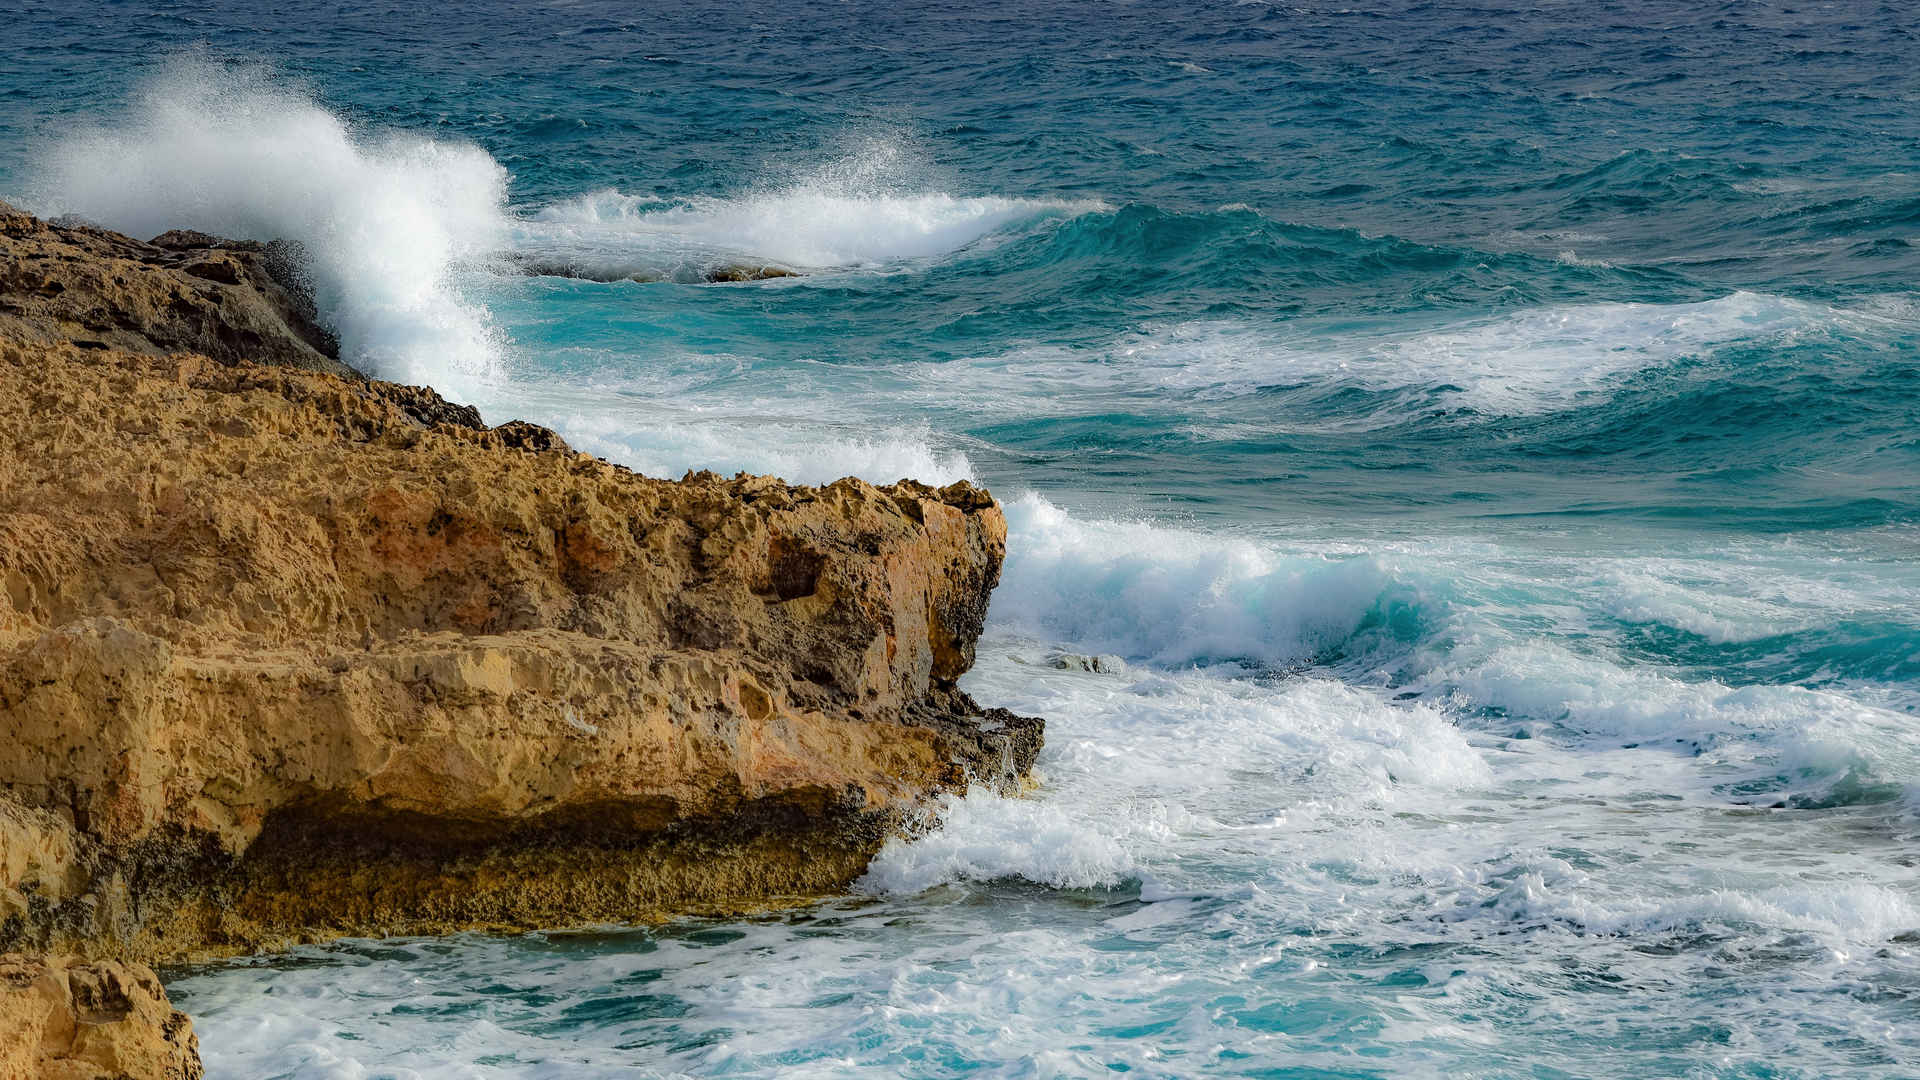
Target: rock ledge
[288,654]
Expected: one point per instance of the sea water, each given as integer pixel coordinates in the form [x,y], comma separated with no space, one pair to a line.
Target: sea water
[1462,464]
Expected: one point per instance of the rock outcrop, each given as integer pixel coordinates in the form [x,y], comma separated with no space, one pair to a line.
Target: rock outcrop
[287,653]
[741,272]
[684,274]
[90,1021]
[185,292]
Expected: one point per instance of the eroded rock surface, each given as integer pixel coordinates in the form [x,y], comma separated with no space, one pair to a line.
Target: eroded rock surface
[104,1020]
[287,654]
[184,292]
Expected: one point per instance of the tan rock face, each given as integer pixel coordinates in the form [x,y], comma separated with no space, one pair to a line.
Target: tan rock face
[105,1020]
[286,655]
[185,292]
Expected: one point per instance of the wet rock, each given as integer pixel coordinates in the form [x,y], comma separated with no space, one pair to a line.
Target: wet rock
[733,272]
[193,239]
[520,435]
[1104,665]
[223,299]
[720,274]
[549,268]
[288,654]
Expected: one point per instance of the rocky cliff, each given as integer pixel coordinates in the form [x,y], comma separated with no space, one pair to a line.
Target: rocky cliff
[287,653]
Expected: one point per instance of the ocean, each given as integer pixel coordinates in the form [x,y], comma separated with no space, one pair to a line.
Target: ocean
[1462,463]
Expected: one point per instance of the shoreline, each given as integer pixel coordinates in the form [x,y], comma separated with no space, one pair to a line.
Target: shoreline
[290,654]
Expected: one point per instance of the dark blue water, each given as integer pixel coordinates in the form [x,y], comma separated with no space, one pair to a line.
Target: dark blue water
[1483,441]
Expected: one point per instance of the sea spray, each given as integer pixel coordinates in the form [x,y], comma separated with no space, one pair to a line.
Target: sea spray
[1366,481]
[870,200]
[1521,363]
[1180,597]
[611,235]
[386,218]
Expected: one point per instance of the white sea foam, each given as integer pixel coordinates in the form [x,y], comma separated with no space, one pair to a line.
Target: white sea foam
[1519,363]
[1148,764]
[810,225]
[1711,610]
[1138,770]
[875,203]
[1823,745]
[799,453]
[1534,888]
[1153,762]
[1177,597]
[983,837]
[1849,910]
[385,217]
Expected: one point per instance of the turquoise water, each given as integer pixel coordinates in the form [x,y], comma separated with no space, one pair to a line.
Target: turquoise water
[1462,465]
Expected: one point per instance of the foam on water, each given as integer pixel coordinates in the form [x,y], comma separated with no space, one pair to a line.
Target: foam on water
[385,217]
[1179,597]
[1414,620]
[983,837]
[1799,732]
[1457,660]
[1714,612]
[1149,765]
[814,224]
[1844,912]
[873,203]
[1516,364]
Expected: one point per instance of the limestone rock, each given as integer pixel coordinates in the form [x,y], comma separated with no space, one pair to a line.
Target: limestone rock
[287,654]
[186,292]
[104,1020]
[685,273]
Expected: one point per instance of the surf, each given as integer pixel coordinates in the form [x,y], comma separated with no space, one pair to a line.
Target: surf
[386,219]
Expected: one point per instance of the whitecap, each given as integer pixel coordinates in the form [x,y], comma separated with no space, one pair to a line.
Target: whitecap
[1174,596]
[615,235]
[385,217]
[875,204]
[1518,363]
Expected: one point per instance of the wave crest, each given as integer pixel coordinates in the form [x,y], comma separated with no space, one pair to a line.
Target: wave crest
[385,217]
[810,225]
[1173,597]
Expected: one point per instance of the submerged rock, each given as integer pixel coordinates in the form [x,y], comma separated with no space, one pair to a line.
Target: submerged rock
[535,267]
[287,653]
[1104,664]
[721,274]
[684,274]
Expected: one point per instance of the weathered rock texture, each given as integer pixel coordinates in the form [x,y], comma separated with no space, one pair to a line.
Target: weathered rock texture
[288,654]
[184,292]
[90,1021]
